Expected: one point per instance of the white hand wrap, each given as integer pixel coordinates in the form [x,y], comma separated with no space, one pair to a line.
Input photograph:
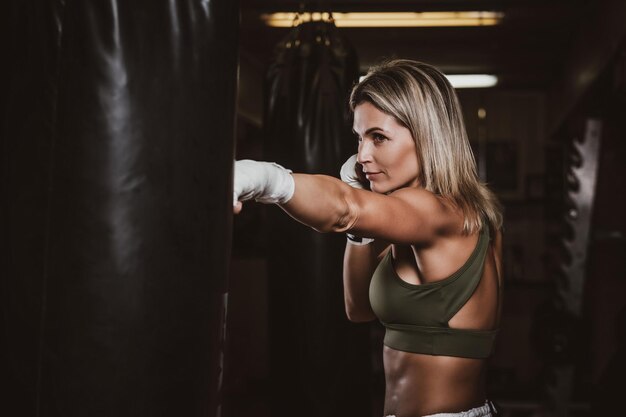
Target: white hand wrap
[265,182]
[348,175]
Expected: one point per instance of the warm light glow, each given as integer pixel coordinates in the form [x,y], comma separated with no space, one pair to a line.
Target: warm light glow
[472,80]
[469,81]
[385,19]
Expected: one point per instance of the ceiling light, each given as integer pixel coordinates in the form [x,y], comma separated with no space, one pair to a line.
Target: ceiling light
[472,80]
[389,19]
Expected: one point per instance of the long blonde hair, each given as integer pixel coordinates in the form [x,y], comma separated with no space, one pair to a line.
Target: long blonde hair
[420,98]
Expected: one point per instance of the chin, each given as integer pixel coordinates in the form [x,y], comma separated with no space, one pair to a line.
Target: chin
[386,189]
[378,189]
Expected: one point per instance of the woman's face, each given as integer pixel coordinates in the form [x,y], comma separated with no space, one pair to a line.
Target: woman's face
[386,150]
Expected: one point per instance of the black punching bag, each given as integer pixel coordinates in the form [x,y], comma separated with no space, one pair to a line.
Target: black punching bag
[117,150]
[319,360]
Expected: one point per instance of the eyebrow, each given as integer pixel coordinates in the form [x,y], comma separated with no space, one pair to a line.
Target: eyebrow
[370,130]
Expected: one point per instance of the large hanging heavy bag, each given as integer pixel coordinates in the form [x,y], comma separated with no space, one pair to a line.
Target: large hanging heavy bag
[116,206]
[319,361]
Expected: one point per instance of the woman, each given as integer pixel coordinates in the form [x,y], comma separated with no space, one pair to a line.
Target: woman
[426,261]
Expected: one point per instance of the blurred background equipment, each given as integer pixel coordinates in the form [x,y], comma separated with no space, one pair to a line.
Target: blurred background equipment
[319,362]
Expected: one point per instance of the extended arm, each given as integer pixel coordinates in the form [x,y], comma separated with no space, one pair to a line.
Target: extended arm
[406,216]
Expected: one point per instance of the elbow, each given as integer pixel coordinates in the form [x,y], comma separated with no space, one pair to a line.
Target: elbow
[342,216]
[359,315]
[346,214]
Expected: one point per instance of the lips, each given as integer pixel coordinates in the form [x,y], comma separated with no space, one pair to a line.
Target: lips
[371,175]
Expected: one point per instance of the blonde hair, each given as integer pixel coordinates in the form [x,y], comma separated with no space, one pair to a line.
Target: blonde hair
[420,98]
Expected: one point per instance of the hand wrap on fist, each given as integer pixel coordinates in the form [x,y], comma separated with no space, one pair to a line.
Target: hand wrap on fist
[348,173]
[349,176]
[265,182]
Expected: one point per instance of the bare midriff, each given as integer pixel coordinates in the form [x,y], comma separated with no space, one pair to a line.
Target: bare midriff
[419,385]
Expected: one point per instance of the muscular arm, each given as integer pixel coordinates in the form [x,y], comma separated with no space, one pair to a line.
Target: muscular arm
[406,216]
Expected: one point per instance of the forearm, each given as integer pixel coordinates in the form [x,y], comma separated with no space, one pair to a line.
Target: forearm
[359,263]
[322,202]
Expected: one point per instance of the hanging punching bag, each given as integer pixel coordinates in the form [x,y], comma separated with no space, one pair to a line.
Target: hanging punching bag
[319,360]
[116,206]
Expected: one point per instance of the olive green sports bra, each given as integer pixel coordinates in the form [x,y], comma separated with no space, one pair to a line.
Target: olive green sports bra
[416,316]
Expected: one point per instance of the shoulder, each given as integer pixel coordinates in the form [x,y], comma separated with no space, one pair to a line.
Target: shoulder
[437,212]
[426,199]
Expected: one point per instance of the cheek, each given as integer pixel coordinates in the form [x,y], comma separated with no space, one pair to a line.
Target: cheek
[409,161]
[414,164]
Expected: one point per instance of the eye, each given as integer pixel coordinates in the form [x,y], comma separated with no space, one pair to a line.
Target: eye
[378,137]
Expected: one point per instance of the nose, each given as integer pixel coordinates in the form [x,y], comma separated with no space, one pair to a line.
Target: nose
[364,154]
